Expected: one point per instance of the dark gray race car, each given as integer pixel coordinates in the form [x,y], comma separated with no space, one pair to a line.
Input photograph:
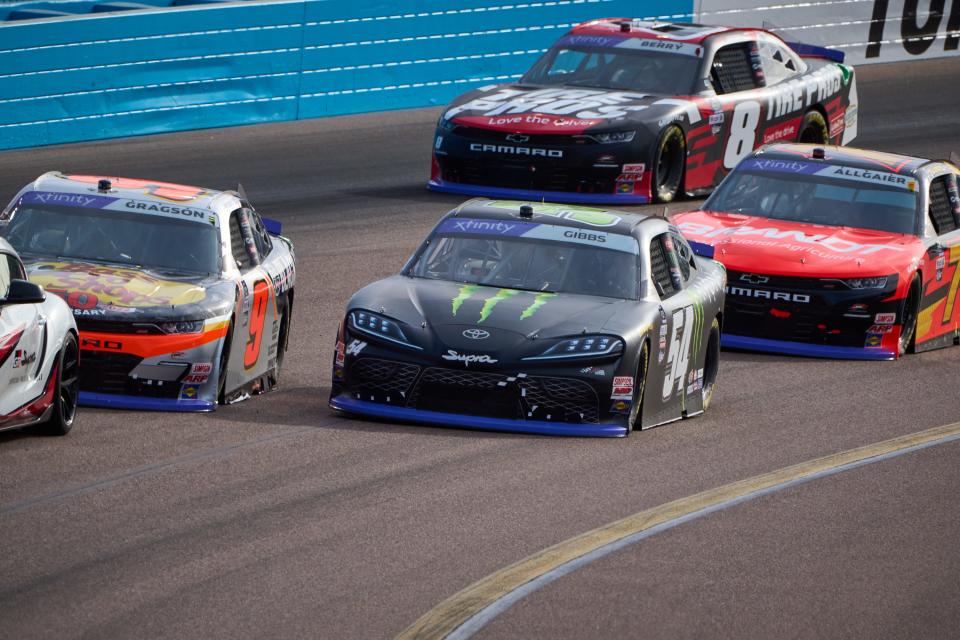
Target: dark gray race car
[538,318]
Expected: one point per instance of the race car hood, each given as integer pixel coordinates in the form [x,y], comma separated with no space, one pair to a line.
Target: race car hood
[778,247]
[112,292]
[540,109]
[509,321]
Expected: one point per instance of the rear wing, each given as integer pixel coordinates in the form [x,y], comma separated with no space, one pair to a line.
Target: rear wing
[814,51]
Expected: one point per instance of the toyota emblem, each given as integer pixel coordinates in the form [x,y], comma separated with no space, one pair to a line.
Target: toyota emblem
[518,137]
[476,334]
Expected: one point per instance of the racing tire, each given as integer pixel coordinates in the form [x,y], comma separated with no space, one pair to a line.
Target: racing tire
[67,390]
[911,311]
[640,384]
[283,336]
[711,364]
[224,363]
[814,129]
[669,161]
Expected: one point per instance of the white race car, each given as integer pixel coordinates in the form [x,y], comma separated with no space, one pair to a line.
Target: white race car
[39,354]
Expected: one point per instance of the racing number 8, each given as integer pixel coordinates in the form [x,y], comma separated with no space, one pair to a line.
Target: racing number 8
[258,316]
[743,132]
[679,359]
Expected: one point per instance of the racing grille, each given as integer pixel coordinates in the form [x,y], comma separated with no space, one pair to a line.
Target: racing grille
[476,134]
[382,378]
[542,174]
[109,326]
[105,372]
[500,396]
[818,321]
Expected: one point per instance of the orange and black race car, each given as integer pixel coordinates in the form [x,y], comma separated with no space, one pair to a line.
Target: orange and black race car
[835,252]
[182,295]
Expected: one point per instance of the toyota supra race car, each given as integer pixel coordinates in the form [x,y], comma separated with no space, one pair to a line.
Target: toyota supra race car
[836,252]
[536,318]
[181,295]
[39,356]
[624,112]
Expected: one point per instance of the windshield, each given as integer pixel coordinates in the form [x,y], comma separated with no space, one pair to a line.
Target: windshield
[819,194]
[544,258]
[609,67]
[151,242]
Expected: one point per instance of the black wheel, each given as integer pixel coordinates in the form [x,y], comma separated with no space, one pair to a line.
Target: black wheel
[284,337]
[908,324]
[640,383]
[813,129]
[668,162]
[711,365]
[222,367]
[67,390]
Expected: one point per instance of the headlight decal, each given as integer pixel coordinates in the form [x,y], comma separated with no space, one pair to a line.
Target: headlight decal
[380,326]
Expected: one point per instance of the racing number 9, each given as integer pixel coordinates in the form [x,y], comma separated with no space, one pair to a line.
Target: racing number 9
[258,316]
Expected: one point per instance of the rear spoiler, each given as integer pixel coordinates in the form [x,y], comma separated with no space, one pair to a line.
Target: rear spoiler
[813,51]
[702,249]
[273,227]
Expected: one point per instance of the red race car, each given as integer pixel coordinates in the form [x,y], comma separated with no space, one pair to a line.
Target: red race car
[835,252]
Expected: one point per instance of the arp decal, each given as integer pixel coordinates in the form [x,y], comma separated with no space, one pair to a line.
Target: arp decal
[258,317]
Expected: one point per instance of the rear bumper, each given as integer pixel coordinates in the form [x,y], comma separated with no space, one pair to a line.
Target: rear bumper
[786,347]
[111,401]
[571,197]
[406,414]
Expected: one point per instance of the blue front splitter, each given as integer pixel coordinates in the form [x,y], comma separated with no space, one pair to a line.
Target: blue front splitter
[801,349]
[406,414]
[111,401]
[536,196]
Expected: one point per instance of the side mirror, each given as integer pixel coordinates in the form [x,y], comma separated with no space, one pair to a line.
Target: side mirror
[24,292]
[935,251]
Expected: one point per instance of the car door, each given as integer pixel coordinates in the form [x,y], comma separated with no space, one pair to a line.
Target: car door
[255,324]
[673,353]
[939,317]
[21,342]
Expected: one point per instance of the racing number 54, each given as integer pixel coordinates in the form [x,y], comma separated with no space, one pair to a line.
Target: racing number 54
[258,317]
[678,360]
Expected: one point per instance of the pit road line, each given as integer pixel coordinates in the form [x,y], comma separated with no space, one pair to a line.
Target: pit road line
[463,614]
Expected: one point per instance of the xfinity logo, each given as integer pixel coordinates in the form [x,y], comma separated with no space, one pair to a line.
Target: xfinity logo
[518,137]
[467,359]
[519,151]
[476,334]
[801,298]
[754,279]
[66,198]
[482,225]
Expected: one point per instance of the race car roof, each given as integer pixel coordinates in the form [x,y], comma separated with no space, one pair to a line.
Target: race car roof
[848,157]
[684,32]
[150,191]
[555,214]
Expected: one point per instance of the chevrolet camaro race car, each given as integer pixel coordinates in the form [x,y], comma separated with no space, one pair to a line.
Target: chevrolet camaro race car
[537,318]
[181,295]
[836,252]
[39,356]
[624,111]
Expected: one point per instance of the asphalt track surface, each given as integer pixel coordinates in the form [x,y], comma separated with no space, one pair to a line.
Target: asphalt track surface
[276,518]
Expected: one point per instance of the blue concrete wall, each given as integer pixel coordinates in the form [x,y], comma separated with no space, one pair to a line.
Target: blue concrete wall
[108,75]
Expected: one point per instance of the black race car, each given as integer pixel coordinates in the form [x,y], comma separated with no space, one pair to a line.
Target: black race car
[538,318]
[624,111]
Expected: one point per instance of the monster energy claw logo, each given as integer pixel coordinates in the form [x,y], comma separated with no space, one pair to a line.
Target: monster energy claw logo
[467,291]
